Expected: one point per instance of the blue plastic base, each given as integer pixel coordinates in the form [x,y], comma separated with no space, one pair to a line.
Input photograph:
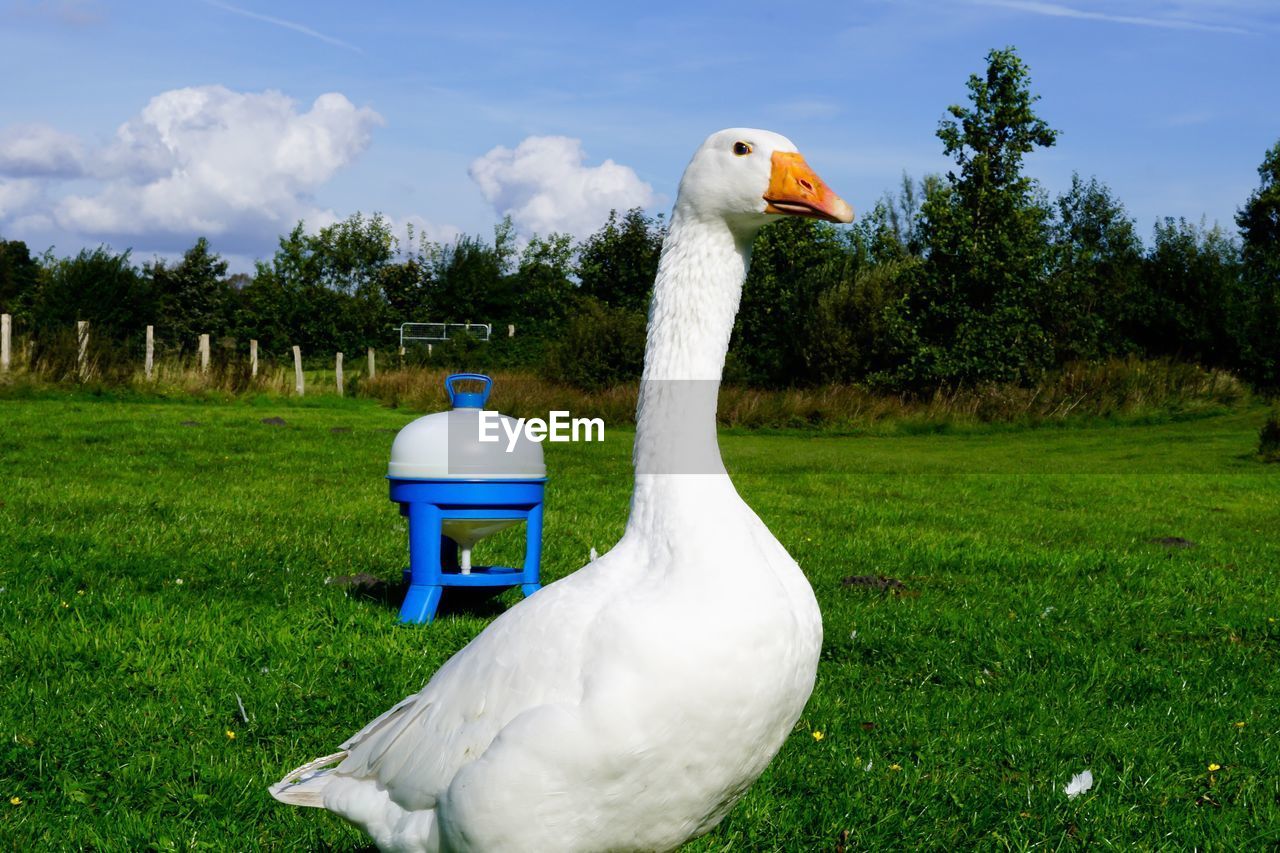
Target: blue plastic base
[420,604]
[423,600]
[433,557]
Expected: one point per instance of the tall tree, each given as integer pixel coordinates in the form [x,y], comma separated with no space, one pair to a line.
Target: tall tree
[1258,315]
[901,215]
[192,295]
[405,287]
[617,264]
[1095,287]
[793,262]
[1191,280]
[471,279]
[985,232]
[284,305]
[544,293]
[350,254]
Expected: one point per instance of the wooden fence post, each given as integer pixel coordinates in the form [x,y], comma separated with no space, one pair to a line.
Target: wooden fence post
[373,367]
[150,362]
[204,353]
[253,359]
[297,371]
[337,373]
[511,331]
[82,356]
[6,329]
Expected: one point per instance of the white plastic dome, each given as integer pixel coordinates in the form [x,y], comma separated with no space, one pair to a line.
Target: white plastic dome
[447,446]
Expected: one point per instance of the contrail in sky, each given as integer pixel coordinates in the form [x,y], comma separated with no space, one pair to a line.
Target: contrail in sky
[281,22]
[1057,10]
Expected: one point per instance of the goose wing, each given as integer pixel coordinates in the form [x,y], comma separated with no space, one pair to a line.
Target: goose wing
[529,657]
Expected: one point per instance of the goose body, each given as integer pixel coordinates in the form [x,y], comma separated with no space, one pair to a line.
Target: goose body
[631,704]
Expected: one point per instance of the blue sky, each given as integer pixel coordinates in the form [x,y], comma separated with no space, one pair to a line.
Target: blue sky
[144,124]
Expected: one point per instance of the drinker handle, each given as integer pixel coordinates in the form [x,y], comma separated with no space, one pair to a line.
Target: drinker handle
[468,397]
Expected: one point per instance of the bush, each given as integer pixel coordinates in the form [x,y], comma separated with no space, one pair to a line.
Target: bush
[601,347]
[852,333]
[1269,438]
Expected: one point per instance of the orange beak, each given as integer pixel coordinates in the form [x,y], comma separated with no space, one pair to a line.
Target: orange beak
[795,190]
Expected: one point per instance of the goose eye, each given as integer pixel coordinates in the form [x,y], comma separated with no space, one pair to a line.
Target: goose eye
[742,149]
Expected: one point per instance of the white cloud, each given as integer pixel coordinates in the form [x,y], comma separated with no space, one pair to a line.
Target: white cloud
[208,160]
[413,229]
[544,186]
[17,196]
[38,150]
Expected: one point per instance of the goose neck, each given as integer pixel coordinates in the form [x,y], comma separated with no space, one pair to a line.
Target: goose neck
[695,300]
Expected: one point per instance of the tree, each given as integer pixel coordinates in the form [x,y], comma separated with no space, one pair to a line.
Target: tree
[598,347]
[470,279]
[900,215]
[855,331]
[192,295]
[405,288]
[323,291]
[544,293]
[284,305]
[1257,317]
[1096,285]
[99,286]
[350,254]
[618,263]
[793,261]
[19,277]
[1191,278]
[978,307]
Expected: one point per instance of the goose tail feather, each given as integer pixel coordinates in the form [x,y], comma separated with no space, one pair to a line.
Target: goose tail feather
[305,785]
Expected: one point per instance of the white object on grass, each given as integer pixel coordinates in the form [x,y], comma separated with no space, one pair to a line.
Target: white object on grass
[1079,783]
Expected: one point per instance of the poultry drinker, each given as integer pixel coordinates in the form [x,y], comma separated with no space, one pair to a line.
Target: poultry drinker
[455,490]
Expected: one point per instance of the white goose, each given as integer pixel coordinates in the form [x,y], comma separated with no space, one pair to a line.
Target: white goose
[631,704]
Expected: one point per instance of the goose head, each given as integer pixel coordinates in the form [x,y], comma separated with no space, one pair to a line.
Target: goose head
[746,176]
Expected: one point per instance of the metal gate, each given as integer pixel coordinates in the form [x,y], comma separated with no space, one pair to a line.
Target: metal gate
[432,332]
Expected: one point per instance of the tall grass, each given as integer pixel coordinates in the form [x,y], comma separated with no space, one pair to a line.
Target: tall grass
[1117,388]
[54,362]
[1126,388]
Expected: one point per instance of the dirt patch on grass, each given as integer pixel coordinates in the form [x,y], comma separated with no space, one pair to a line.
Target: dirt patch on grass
[274,421]
[360,580]
[1172,542]
[879,583]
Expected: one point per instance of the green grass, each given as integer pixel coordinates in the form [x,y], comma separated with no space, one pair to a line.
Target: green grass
[152,572]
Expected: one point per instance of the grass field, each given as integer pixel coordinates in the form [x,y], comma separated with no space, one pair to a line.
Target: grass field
[164,562]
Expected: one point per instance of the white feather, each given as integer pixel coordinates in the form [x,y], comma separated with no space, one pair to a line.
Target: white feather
[1079,783]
